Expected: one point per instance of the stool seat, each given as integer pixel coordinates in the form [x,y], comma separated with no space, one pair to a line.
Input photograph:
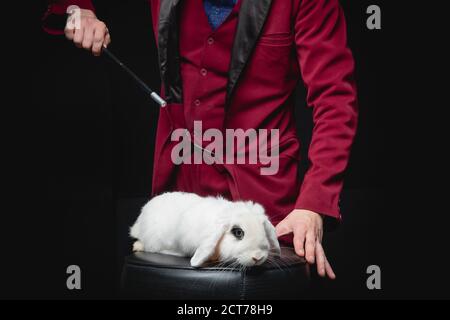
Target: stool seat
[158,276]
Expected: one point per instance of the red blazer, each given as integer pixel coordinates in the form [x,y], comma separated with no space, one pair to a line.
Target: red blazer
[277,44]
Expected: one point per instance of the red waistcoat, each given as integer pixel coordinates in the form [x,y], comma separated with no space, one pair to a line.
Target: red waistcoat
[205,59]
[205,56]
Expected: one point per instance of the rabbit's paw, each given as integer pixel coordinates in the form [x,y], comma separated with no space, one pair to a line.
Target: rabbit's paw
[138,246]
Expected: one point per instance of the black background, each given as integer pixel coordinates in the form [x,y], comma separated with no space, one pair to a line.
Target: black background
[85,144]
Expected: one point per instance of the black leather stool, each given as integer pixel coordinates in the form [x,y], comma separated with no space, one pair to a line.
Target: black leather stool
[157,276]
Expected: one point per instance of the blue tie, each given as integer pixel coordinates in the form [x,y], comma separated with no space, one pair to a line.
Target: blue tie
[218,11]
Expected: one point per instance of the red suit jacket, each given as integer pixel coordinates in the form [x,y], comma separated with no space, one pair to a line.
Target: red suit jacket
[277,44]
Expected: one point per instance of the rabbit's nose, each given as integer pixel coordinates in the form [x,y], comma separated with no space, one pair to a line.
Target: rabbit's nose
[256,259]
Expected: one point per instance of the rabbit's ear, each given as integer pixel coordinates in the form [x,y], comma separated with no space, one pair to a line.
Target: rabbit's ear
[272,237]
[208,246]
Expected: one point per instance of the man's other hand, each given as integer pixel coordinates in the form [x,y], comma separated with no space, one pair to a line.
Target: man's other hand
[307,227]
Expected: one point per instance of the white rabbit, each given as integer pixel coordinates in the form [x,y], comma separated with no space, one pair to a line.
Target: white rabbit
[205,229]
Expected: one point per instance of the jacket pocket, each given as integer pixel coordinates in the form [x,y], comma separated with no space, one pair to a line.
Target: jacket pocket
[277,39]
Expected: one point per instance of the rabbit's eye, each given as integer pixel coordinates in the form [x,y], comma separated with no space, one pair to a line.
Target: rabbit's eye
[238,233]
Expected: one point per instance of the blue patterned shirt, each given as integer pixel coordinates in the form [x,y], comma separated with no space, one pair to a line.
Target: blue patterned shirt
[218,11]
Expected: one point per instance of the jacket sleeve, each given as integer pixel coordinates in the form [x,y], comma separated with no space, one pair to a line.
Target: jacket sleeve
[327,68]
[54,19]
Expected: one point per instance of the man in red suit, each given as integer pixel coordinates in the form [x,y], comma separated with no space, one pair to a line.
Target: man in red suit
[240,73]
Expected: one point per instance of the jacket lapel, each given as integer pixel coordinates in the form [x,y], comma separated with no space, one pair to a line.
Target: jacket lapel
[168,52]
[252,16]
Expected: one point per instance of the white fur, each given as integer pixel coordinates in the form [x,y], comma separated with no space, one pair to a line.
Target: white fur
[138,246]
[185,224]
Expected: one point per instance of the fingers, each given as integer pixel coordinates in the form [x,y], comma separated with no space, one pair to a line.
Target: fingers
[88,38]
[107,38]
[99,38]
[320,258]
[323,266]
[283,228]
[299,241]
[310,247]
[319,234]
[329,270]
[69,33]
[78,37]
